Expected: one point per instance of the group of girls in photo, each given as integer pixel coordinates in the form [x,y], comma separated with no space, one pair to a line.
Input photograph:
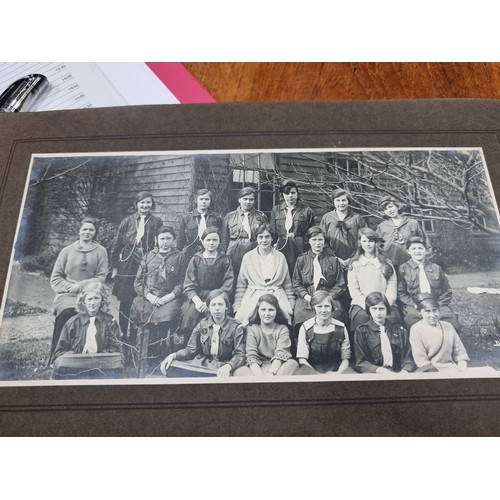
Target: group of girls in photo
[241,296]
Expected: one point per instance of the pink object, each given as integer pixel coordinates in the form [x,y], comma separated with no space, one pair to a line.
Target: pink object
[180,82]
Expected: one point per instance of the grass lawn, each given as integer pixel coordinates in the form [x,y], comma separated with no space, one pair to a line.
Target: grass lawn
[477,314]
[24,347]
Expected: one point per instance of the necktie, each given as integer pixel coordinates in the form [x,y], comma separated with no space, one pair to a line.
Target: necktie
[423,282]
[214,346]
[245,225]
[317,274]
[90,341]
[289,219]
[385,345]
[202,225]
[140,229]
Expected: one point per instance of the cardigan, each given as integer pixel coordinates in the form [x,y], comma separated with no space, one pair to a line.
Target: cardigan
[365,276]
[441,346]
[251,285]
[76,264]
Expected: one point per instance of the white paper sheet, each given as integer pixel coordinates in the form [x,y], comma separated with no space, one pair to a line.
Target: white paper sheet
[88,85]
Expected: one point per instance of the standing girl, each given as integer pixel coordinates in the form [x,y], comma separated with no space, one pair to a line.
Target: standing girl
[194,223]
[268,341]
[290,221]
[397,230]
[136,237]
[341,227]
[238,230]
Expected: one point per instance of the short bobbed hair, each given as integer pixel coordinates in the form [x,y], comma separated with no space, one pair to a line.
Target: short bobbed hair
[201,192]
[209,230]
[375,298]
[271,299]
[218,293]
[426,300]
[320,296]
[167,229]
[387,200]
[143,195]
[264,227]
[338,193]
[246,191]
[93,221]
[287,185]
[98,287]
[314,231]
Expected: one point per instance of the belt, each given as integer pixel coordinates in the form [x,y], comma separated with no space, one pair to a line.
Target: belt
[270,289]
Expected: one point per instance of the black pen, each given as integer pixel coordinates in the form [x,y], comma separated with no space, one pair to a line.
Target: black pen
[21,94]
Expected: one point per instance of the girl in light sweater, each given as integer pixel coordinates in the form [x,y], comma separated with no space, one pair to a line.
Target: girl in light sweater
[268,341]
[370,271]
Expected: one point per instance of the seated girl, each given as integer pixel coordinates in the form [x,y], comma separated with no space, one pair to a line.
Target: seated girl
[207,270]
[370,271]
[263,270]
[435,344]
[323,344]
[268,341]
[381,346]
[156,309]
[216,346]
[317,269]
[421,276]
[89,346]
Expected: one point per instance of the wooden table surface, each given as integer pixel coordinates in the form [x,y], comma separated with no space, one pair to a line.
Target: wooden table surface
[228,82]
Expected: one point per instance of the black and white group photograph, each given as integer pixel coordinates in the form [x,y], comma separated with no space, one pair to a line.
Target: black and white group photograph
[254,266]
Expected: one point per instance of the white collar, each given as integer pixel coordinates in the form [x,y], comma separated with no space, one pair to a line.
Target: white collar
[364,261]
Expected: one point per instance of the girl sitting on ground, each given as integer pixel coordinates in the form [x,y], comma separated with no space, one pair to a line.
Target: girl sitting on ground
[435,344]
[268,341]
[216,346]
[92,331]
[323,344]
[381,346]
